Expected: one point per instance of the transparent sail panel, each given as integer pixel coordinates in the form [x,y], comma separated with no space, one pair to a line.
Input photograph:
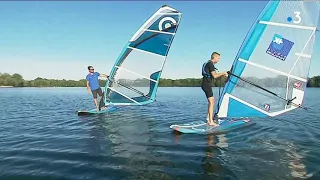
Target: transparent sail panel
[308,11]
[124,91]
[139,64]
[135,75]
[257,96]
[273,65]
[294,43]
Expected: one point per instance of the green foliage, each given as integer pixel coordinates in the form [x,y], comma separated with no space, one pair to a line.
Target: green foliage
[314,82]
[16,80]
[189,82]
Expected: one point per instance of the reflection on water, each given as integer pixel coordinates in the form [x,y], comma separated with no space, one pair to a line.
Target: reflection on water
[286,155]
[49,141]
[126,136]
[98,144]
[298,169]
[212,161]
[223,141]
[290,157]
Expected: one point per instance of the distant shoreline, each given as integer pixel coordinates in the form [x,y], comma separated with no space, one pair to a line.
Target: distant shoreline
[16,80]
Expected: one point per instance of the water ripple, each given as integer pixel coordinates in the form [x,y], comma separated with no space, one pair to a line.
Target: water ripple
[43,138]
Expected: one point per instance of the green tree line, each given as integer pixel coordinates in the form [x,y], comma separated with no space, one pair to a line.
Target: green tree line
[16,80]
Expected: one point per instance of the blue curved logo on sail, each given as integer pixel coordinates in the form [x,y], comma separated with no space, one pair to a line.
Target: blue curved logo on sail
[279,47]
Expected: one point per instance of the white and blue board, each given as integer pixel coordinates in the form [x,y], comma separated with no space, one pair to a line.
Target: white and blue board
[94,111]
[201,127]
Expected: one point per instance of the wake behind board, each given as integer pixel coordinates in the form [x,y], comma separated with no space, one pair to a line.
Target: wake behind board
[201,127]
[94,111]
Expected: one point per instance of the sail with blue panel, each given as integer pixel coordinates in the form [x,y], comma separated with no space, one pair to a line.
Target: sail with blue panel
[135,76]
[270,72]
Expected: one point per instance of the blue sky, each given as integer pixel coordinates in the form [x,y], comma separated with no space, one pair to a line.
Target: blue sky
[59,39]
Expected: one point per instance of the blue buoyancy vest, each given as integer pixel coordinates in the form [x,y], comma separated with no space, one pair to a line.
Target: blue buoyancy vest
[204,73]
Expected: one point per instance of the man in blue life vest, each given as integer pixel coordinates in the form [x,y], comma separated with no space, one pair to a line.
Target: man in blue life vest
[93,86]
[208,73]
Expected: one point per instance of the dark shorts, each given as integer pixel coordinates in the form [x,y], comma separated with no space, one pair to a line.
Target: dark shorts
[207,89]
[97,91]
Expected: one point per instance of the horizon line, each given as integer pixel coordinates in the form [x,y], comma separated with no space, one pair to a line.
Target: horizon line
[133,80]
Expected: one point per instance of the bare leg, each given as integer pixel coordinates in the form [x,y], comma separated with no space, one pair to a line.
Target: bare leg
[210,111]
[96,103]
[101,103]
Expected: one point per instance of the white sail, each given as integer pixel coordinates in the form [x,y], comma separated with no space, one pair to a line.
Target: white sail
[270,72]
[135,75]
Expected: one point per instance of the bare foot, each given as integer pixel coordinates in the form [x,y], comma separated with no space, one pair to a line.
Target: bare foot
[212,123]
[98,109]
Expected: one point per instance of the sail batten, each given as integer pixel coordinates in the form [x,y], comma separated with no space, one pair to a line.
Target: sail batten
[135,76]
[303,55]
[163,32]
[124,95]
[270,72]
[146,52]
[287,25]
[298,58]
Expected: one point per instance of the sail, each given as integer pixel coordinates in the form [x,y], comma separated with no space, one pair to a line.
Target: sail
[270,72]
[135,76]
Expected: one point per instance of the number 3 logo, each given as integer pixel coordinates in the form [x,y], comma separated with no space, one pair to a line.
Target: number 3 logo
[297,15]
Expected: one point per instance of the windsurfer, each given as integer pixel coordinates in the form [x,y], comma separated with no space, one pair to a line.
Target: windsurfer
[208,73]
[93,86]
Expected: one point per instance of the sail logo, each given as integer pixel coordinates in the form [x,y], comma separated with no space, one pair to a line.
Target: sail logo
[267,107]
[297,84]
[166,23]
[279,47]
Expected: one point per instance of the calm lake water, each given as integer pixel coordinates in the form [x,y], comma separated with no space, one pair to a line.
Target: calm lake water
[42,137]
